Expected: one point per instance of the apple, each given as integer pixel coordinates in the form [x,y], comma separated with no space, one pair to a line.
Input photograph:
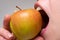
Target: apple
[26,24]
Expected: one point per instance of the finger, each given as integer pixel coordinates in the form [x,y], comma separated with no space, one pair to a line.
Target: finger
[6,34]
[6,22]
[39,38]
[1,38]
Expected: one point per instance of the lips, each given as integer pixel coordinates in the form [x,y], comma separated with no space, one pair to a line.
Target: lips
[44,9]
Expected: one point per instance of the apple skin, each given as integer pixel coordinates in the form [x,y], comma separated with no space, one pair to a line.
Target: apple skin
[26,24]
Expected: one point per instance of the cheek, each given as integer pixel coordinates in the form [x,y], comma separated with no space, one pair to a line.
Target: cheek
[55,8]
[55,5]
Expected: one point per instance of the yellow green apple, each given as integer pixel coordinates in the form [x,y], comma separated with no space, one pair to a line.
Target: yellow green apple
[26,24]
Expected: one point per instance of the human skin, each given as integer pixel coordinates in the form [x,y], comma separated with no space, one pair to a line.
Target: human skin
[51,32]
[52,8]
[5,33]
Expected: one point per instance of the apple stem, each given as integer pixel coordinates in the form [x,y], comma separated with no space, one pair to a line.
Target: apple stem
[18,8]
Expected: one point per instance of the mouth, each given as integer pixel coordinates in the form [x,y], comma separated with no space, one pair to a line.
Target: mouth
[45,19]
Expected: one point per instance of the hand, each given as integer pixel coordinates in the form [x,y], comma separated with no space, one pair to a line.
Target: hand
[52,9]
[5,33]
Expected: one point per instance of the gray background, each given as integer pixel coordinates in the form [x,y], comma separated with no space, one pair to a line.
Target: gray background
[8,6]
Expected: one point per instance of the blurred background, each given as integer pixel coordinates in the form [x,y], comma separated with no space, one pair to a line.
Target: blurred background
[8,7]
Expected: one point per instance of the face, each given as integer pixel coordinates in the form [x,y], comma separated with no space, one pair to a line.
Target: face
[52,9]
